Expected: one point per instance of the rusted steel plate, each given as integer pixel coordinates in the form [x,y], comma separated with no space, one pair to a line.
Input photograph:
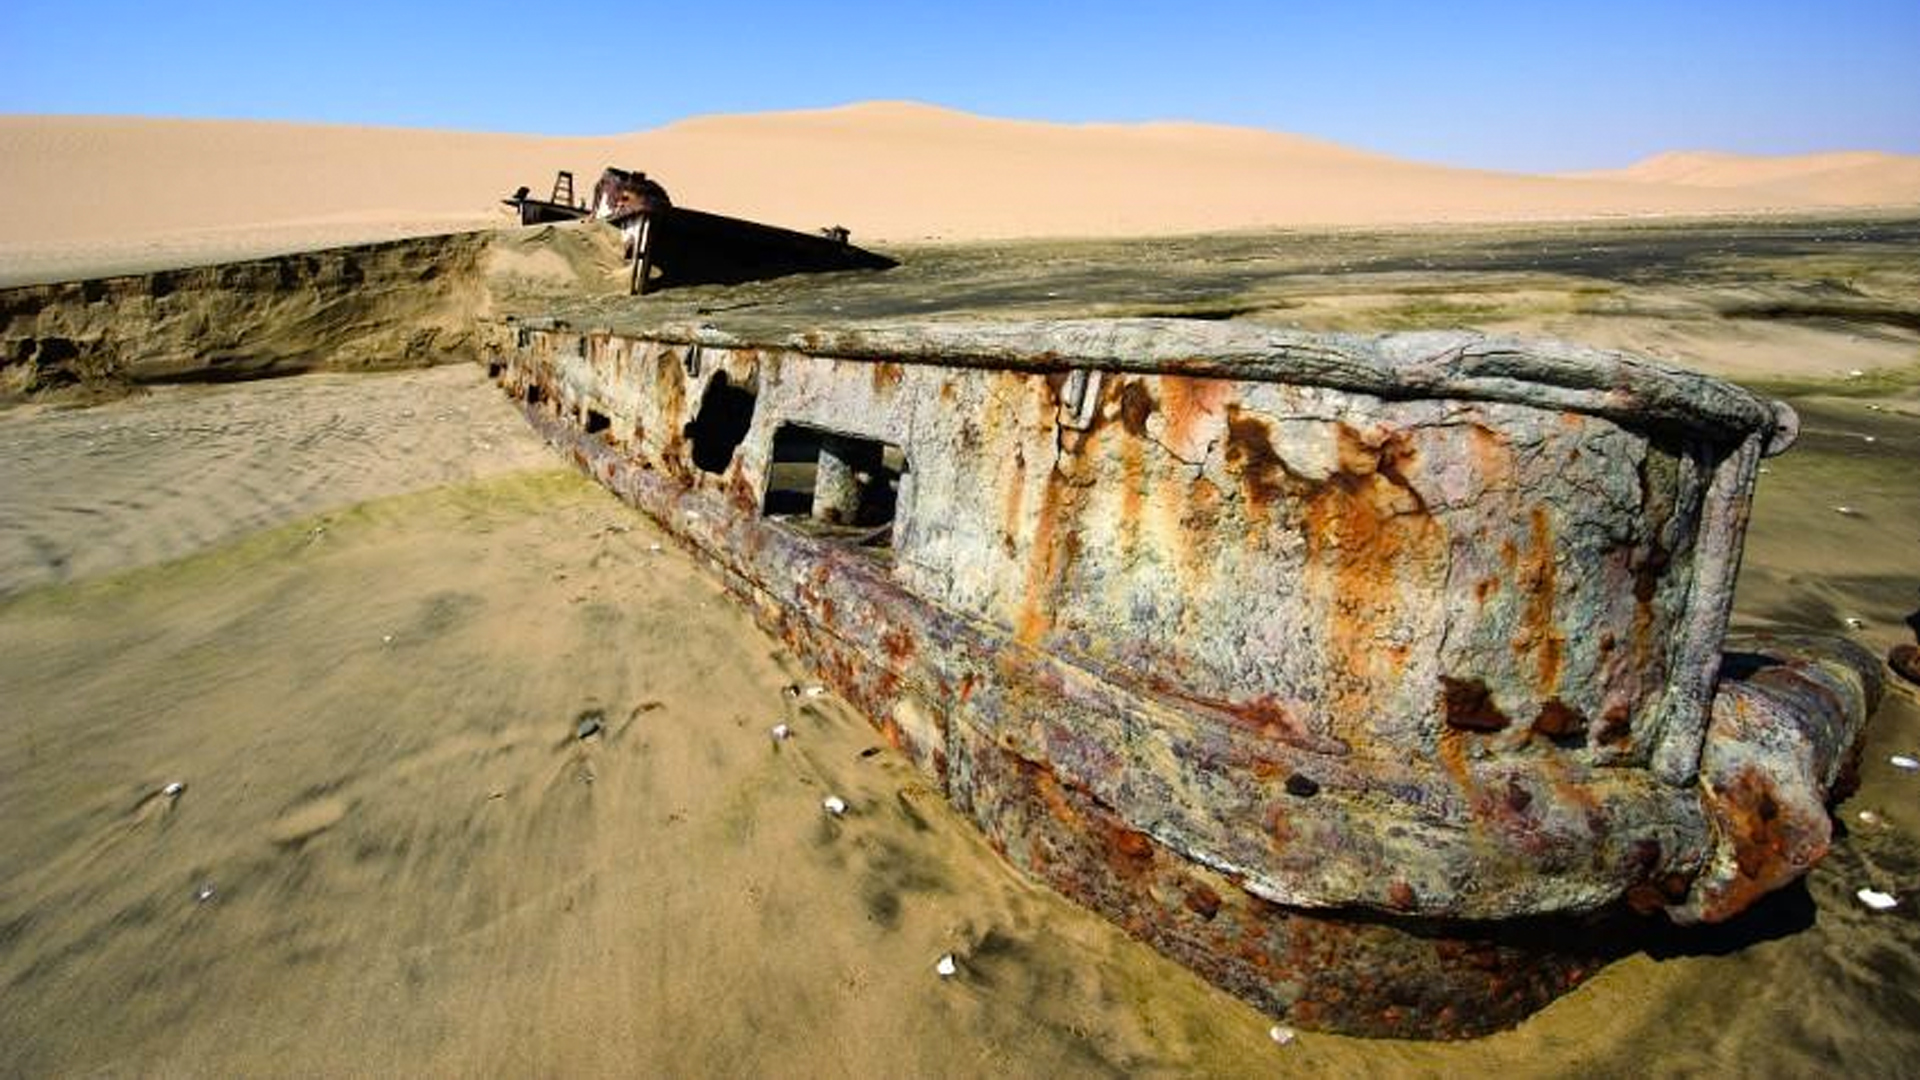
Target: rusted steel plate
[1423,364]
[1783,744]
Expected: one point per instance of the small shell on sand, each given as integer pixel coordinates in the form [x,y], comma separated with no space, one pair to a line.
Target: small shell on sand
[834,804]
[1878,900]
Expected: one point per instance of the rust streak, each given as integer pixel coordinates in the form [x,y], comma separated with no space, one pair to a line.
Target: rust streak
[1264,476]
[1136,405]
[1539,580]
[1044,560]
[1014,484]
[1370,542]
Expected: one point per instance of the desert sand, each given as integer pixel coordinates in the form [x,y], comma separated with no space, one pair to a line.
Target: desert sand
[365,641]
[362,620]
[891,171]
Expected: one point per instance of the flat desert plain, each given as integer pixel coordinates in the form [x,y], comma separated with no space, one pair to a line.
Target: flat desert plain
[364,620]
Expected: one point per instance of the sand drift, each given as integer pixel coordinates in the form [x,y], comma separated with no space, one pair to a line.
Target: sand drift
[1381,680]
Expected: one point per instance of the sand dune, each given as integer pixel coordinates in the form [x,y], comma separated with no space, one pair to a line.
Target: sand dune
[1852,178]
[362,619]
[890,171]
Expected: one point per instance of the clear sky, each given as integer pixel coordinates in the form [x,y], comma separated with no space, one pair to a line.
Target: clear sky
[1527,86]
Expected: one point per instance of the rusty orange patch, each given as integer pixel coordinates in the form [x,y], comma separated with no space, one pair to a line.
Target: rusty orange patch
[1192,408]
[1372,548]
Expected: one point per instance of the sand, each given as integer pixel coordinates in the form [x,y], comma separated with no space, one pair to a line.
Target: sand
[362,618]
[1853,178]
[371,687]
[85,497]
[123,188]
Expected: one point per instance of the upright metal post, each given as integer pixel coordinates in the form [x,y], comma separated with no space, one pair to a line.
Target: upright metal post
[642,257]
[846,467]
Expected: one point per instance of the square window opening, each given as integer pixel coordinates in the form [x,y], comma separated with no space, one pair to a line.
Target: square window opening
[844,487]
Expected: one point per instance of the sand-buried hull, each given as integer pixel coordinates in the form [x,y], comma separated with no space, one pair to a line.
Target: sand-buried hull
[1369,679]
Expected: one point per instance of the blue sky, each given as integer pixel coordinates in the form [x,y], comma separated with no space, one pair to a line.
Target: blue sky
[1535,87]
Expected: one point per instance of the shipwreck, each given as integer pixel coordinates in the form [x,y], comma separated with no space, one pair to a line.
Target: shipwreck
[1377,679]
[668,245]
[1382,680]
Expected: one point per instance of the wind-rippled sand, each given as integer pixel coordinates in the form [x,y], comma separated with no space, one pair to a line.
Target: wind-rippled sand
[362,619]
[182,468]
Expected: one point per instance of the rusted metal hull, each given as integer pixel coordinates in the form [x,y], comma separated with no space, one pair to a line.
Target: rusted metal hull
[1375,711]
[693,247]
[542,212]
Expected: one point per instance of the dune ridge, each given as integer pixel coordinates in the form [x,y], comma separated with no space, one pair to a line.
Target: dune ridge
[1841,178]
[891,171]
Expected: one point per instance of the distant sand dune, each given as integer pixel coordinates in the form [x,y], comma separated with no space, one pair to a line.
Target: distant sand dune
[889,171]
[1853,178]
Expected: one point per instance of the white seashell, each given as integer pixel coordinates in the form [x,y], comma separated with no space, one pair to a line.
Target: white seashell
[173,790]
[1855,623]
[1878,900]
[1847,510]
[814,691]
[834,805]
[204,893]
[1281,1034]
[1902,761]
[781,733]
[1868,817]
[946,967]
[386,639]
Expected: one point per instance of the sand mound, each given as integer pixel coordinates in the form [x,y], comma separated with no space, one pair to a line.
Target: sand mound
[889,171]
[1855,178]
[403,303]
